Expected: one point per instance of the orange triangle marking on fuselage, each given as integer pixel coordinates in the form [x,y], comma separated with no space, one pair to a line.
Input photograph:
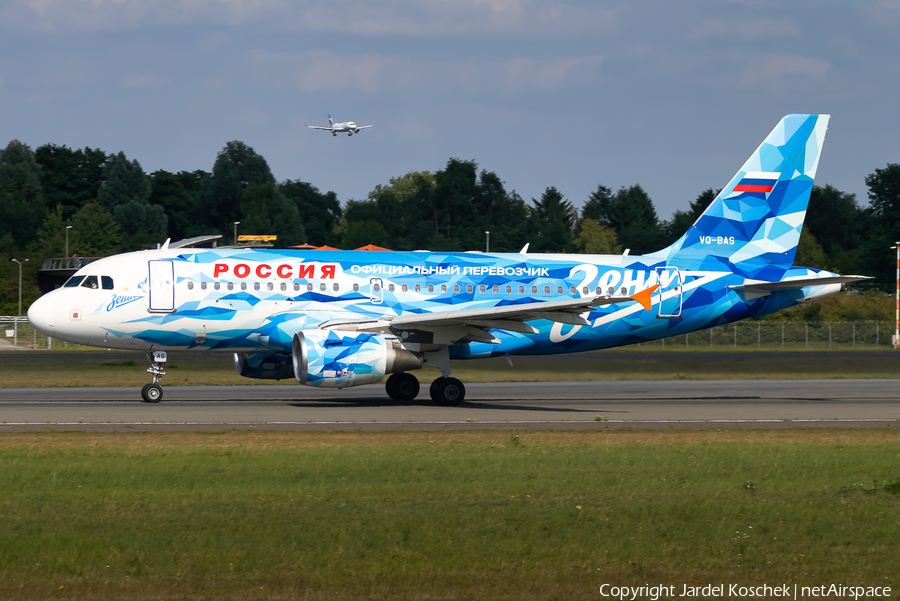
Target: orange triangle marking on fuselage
[644,296]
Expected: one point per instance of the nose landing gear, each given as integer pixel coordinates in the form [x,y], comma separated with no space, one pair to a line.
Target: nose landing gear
[153,393]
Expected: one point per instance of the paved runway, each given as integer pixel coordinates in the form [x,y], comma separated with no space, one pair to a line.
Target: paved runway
[541,405]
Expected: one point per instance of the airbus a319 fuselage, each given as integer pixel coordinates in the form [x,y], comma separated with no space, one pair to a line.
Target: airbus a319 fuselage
[347,318]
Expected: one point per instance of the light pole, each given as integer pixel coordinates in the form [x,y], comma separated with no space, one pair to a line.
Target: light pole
[896,341]
[235,232]
[487,244]
[68,227]
[16,337]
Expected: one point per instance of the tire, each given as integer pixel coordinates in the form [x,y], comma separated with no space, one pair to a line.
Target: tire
[402,387]
[152,393]
[390,387]
[407,387]
[448,392]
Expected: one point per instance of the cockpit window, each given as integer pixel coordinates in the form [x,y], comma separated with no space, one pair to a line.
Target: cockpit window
[107,282]
[90,282]
[73,281]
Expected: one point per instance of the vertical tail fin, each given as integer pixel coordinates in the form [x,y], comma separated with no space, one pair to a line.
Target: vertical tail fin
[330,121]
[759,214]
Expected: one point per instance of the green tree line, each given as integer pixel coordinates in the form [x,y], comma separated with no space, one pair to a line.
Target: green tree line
[108,204]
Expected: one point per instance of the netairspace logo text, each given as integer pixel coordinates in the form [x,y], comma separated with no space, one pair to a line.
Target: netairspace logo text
[785,591]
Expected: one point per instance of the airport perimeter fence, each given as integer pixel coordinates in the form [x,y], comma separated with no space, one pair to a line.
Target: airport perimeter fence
[814,335]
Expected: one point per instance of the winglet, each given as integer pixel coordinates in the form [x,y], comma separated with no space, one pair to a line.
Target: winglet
[644,296]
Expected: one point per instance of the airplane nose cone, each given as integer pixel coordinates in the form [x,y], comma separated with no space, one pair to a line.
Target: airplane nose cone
[41,314]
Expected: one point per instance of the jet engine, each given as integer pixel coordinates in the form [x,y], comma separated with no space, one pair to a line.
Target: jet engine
[264,366]
[340,359]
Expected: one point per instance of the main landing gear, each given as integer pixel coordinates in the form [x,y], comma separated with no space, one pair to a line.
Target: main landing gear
[153,393]
[446,392]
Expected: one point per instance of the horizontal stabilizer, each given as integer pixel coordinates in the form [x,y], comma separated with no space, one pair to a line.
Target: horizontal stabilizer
[751,289]
[799,283]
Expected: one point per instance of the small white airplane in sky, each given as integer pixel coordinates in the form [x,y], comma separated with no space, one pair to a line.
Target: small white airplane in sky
[338,128]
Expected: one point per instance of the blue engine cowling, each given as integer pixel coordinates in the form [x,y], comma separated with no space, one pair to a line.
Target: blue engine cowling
[339,359]
[264,366]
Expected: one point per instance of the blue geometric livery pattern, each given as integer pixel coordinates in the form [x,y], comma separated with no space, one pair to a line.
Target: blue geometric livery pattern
[346,318]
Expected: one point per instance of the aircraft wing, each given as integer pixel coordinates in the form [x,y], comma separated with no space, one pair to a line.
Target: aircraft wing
[363,126]
[506,317]
[318,127]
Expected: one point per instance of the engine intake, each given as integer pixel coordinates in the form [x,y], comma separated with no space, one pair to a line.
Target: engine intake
[340,359]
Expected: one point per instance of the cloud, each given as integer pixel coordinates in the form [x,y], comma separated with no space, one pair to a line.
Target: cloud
[137,80]
[387,17]
[321,70]
[525,74]
[745,30]
[771,69]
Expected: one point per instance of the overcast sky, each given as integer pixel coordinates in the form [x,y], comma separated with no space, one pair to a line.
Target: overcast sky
[673,95]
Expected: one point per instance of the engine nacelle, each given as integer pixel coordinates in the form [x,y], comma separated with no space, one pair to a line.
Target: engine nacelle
[340,359]
[264,366]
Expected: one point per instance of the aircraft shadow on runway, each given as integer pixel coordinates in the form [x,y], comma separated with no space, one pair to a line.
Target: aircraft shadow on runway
[374,403]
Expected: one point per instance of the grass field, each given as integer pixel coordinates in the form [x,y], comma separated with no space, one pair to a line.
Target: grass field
[474,515]
[104,369]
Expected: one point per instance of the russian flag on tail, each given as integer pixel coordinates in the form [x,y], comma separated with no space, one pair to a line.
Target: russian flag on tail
[757,181]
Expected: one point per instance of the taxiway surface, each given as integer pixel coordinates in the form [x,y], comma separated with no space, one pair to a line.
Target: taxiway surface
[512,405]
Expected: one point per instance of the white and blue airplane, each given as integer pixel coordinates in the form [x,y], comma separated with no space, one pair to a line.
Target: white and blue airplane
[347,127]
[347,318]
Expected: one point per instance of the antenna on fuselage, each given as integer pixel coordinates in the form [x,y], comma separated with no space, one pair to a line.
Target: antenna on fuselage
[524,250]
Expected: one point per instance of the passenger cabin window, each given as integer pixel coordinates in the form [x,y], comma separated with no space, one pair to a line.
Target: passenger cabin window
[270,286]
[322,286]
[469,288]
[534,289]
[390,287]
[231,285]
[521,289]
[308,287]
[444,288]
[73,281]
[355,287]
[404,288]
[283,286]
[509,289]
[572,290]
[547,290]
[496,289]
[418,288]
[190,285]
[106,282]
[455,287]
[202,285]
[296,287]
[482,288]
[256,285]
[243,285]
[559,290]
[336,287]
[216,286]
[90,282]
[430,288]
